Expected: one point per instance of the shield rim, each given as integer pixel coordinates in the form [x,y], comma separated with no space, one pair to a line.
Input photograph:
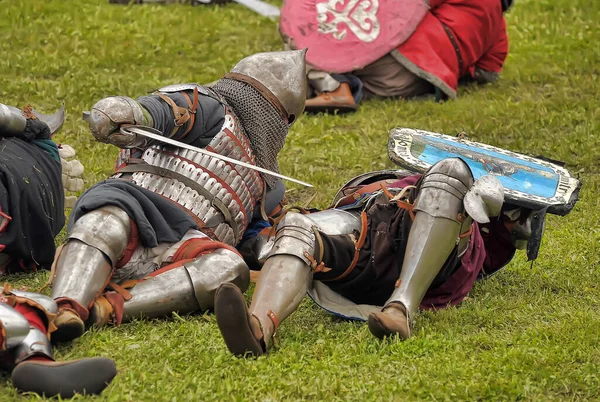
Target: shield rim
[565,195]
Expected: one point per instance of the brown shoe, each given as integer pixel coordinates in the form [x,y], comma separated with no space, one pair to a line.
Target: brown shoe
[328,102]
[392,320]
[68,326]
[240,329]
[101,312]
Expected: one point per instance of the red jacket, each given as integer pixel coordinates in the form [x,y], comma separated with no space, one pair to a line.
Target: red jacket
[479,30]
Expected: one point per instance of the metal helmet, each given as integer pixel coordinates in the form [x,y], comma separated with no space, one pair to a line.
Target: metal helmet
[282,74]
[484,199]
[13,121]
[109,113]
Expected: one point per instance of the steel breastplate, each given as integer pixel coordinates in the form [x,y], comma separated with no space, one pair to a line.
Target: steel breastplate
[222,196]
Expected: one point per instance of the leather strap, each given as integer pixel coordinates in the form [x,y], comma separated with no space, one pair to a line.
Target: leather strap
[358,246]
[7,218]
[467,233]
[268,95]
[181,115]
[192,106]
[455,46]
[274,319]
[189,183]
[401,199]
[124,293]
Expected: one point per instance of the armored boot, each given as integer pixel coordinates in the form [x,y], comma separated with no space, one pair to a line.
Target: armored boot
[25,320]
[84,267]
[181,288]
[444,210]
[284,280]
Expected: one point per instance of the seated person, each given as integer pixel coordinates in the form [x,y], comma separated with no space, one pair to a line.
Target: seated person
[455,40]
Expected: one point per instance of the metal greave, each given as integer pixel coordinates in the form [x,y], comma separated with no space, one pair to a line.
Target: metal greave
[85,264]
[13,326]
[35,344]
[435,231]
[286,274]
[20,335]
[430,242]
[190,287]
[284,280]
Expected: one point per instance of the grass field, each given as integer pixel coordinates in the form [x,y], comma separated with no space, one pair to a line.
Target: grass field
[529,333]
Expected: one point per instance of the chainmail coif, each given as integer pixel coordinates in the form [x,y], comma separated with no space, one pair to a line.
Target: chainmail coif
[263,125]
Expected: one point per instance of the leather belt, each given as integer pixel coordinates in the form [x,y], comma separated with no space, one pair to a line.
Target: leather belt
[456,48]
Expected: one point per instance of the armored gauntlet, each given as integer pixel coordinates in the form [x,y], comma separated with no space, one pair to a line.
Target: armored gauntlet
[108,115]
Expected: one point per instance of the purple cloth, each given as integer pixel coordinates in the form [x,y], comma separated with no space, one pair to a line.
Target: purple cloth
[405,181]
[456,288]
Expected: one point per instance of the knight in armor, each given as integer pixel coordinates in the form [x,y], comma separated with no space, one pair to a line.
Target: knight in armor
[391,243]
[32,199]
[25,325]
[454,41]
[159,235]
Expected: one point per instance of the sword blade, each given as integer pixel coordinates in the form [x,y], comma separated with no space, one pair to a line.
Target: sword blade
[260,7]
[145,132]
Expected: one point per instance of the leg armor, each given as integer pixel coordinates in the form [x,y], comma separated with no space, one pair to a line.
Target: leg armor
[23,329]
[190,287]
[321,81]
[35,344]
[286,274]
[184,289]
[13,326]
[329,221]
[85,264]
[283,282]
[25,339]
[440,219]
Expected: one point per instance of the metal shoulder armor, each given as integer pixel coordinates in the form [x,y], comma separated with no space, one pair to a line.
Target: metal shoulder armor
[183,87]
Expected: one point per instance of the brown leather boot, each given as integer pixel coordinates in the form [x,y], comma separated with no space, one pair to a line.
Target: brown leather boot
[69,326]
[101,312]
[328,102]
[392,320]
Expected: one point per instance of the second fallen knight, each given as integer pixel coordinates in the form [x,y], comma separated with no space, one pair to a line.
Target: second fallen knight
[396,241]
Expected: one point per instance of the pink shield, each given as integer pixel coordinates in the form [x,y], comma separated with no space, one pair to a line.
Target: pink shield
[345,35]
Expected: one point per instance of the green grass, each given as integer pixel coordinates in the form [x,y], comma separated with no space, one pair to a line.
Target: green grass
[528,333]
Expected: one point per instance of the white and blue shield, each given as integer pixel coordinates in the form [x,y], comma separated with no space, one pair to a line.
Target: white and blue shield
[528,182]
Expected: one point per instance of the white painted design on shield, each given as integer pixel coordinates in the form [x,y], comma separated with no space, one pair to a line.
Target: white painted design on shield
[358,15]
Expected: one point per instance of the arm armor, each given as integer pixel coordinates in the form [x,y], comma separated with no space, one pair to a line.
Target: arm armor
[107,116]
